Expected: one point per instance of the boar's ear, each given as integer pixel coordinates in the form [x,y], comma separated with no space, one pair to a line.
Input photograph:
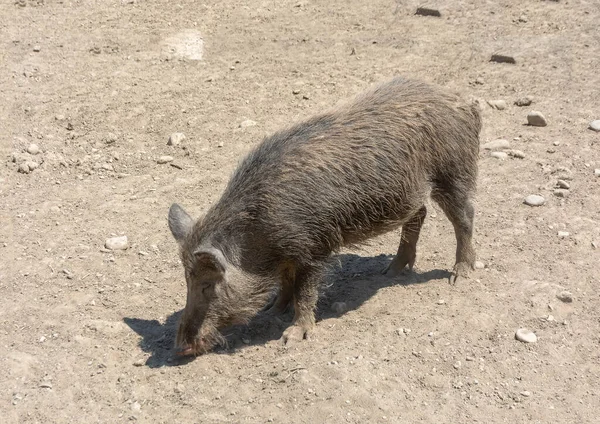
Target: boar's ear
[180,222]
[210,258]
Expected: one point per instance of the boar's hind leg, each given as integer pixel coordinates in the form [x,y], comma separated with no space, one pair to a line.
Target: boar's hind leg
[407,251]
[456,204]
[286,292]
[305,301]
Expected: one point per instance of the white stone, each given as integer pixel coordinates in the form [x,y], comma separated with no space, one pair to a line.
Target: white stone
[164,159]
[595,125]
[33,149]
[499,144]
[499,155]
[497,104]
[117,243]
[565,296]
[175,139]
[534,200]
[247,123]
[526,336]
[536,119]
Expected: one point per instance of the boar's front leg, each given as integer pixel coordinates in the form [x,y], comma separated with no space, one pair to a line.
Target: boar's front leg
[305,284]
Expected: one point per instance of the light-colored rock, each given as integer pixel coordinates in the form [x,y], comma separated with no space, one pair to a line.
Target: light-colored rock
[175,139]
[524,101]
[33,149]
[595,125]
[499,144]
[117,243]
[499,155]
[164,159]
[497,104]
[516,154]
[563,184]
[479,265]
[247,124]
[23,168]
[563,234]
[561,192]
[534,200]
[526,336]
[536,119]
[597,172]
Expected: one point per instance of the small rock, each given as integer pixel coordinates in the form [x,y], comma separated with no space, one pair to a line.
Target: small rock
[46,385]
[594,245]
[563,184]
[179,389]
[339,307]
[526,393]
[441,302]
[70,126]
[175,139]
[117,243]
[220,144]
[563,173]
[110,138]
[597,172]
[457,365]
[164,159]
[499,155]
[247,123]
[534,200]
[499,144]
[295,91]
[561,192]
[407,331]
[36,48]
[595,125]
[138,362]
[136,407]
[516,154]
[563,234]
[479,265]
[60,117]
[536,119]
[24,168]
[500,58]
[497,104]
[524,101]
[425,11]
[526,336]
[33,149]
[107,167]
[565,296]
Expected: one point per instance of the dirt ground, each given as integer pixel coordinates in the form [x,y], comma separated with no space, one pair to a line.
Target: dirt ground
[87,333]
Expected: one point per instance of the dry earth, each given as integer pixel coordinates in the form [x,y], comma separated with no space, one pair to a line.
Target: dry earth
[86,333]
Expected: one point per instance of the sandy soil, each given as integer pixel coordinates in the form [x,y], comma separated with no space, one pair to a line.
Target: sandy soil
[99,86]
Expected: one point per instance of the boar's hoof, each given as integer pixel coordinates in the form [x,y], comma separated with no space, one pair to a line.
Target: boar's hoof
[461,270]
[294,334]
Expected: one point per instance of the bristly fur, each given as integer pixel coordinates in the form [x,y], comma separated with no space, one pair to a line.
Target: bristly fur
[337,179]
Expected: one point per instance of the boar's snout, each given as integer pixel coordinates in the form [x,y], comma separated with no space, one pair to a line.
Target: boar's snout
[194,340]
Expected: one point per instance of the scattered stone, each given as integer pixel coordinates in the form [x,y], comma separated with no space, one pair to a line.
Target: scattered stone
[595,125]
[561,192]
[457,365]
[107,167]
[136,407]
[565,296]
[479,265]
[524,101]
[526,393]
[36,49]
[563,184]
[594,245]
[499,155]
[111,138]
[516,154]
[117,243]
[33,149]
[175,139]
[425,11]
[500,58]
[536,119]
[563,173]
[179,389]
[499,144]
[46,385]
[164,159]
[70,126]
[497,104]
[247,123]
[138,362]
[60,117]
[24,168]
[339,307]
[563,234]
[441,302]
[295,91]
[32,165]
[534,200]
[220,144]
[526,336]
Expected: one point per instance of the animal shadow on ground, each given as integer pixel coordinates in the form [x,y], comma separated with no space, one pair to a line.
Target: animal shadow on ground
[352,279]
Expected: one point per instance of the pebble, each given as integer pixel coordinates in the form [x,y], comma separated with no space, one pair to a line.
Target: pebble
[36,48]
[164,159]
[563,173]
[595,125]
[339,307]
[536,119]
[136,407]
[175,139]
[117,243]
[499,155]
[33,149]
[24,168]
[565,296]
[425,11]
[563,184]
[524,101]
[597,172]
[534,200]
[110,138]
[499,144]
[501,58]
[526,336]
[526,393]
[516,154]
[563,234]
[479,265]
[561,192]
[138,362]
[247,123]
[46,385]
[441,302]
[457,365]
[497,104]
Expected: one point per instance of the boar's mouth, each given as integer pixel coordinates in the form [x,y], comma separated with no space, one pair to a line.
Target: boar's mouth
[197,344]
